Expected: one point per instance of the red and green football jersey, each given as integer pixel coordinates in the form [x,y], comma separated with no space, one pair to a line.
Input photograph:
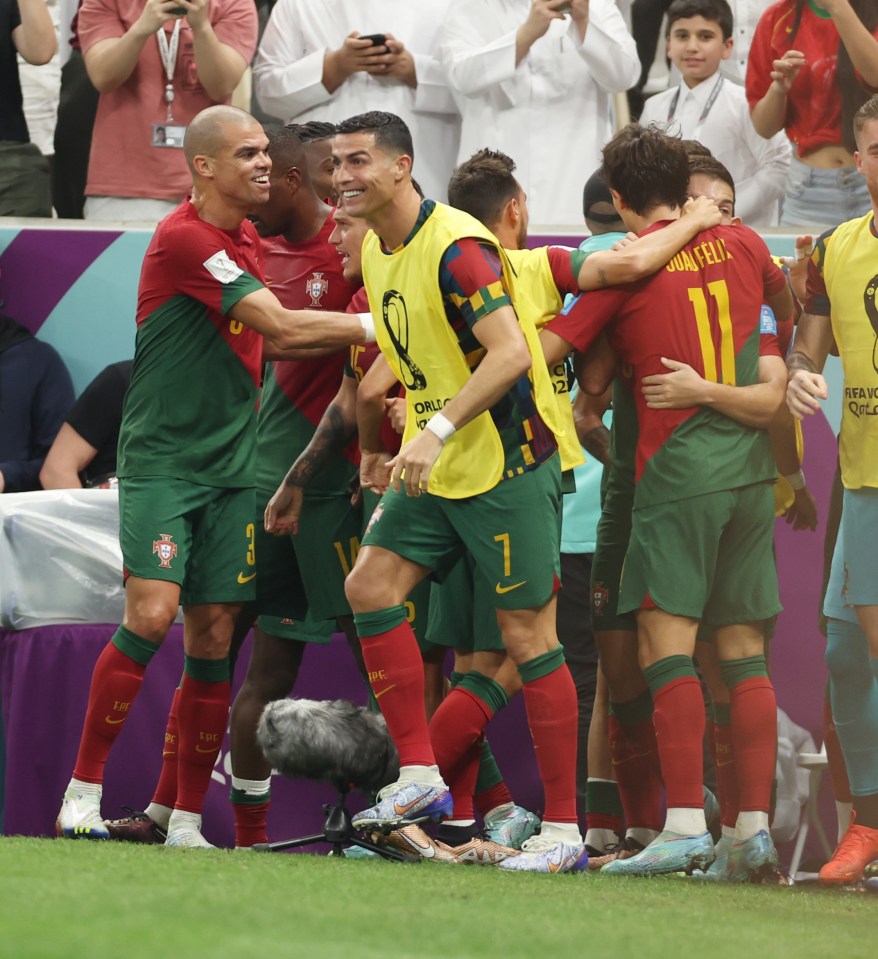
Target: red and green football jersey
[703,309]
[296,393]
[190,408]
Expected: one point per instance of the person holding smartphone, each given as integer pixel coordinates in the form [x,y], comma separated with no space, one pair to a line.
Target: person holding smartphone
[156,64]
[330,59]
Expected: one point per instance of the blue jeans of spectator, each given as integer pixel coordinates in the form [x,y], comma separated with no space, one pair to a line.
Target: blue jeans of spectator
[823,198]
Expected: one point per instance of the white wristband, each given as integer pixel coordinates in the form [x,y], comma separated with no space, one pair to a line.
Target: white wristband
[796,480]
[368,325]
[441,426]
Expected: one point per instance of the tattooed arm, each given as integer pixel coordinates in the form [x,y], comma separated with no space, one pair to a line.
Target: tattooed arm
[337,427]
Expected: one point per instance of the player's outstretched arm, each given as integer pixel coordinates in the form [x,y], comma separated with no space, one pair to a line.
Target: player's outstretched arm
[806,387]
[337,427]
[506,359]
[295,329]
[756,405]
[636,260]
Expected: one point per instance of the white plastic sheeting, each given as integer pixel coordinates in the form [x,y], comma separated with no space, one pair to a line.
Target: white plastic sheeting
[60,560]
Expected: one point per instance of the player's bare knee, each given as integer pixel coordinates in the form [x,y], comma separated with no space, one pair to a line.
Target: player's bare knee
[150,617]
[363,592]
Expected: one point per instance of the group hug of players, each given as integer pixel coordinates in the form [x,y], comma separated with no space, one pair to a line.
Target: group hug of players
[686,327]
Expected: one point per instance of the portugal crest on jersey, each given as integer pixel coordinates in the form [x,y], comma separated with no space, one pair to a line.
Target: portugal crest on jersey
[316,287]
[166,549]
[600,596]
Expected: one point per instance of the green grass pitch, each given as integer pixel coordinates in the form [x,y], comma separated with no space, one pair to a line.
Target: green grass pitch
[99,900]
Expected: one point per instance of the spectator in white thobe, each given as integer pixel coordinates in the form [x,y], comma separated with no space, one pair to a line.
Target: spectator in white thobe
[311,66]
[538,84]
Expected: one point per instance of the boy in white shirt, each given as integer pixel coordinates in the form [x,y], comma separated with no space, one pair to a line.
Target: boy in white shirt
[707,107]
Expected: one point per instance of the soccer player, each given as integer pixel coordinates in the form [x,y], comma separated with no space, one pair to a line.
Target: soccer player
[186,455]
[841,308]
[300,580]
[711,294]
[477,471]
[682,388]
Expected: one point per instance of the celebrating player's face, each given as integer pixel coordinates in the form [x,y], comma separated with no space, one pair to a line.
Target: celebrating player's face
[365,176]
[717,190]
[867,157]
[347,237]
[321,167]
[241,165]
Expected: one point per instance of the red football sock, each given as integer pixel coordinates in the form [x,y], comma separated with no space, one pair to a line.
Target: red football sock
[678,715]
[459,722]
[754,740]
[396,674]
[634,754]
[202,711]
[166,788]
[726,774]
[492,797]
[838,772]
[552,714]
[251,823]
[463,782]
[115,683]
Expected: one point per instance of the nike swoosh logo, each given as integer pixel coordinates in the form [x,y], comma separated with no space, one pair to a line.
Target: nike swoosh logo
[628,759]
[508,589]
[245,579]
[114,722]
[168,754]
[427,852]
[210,749]
[728,762]
[401,810]
[383,691]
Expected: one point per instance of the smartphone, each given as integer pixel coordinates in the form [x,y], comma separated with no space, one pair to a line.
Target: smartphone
[378,39]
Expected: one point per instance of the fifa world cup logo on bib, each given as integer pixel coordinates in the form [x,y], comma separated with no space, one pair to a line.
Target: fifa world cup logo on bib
[872,313]
[396,320]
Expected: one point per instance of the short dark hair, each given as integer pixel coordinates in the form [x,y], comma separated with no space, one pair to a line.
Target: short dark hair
[646,168]
[711,167]
[695,148]
[483,185]
[286,149]
[717,11]
[391,133]
[868,111]
[314,130]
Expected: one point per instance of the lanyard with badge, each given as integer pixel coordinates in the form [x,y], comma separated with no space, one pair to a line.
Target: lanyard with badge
[714,93]
[169,133]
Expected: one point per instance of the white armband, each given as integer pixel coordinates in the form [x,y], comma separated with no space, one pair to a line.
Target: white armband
[440,426]
[368,325]
[796,480]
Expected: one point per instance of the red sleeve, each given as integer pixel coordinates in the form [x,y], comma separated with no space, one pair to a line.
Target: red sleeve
[194,259]
[773,277]
[561,265]
[580,322]
[760,59]
[769,345]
